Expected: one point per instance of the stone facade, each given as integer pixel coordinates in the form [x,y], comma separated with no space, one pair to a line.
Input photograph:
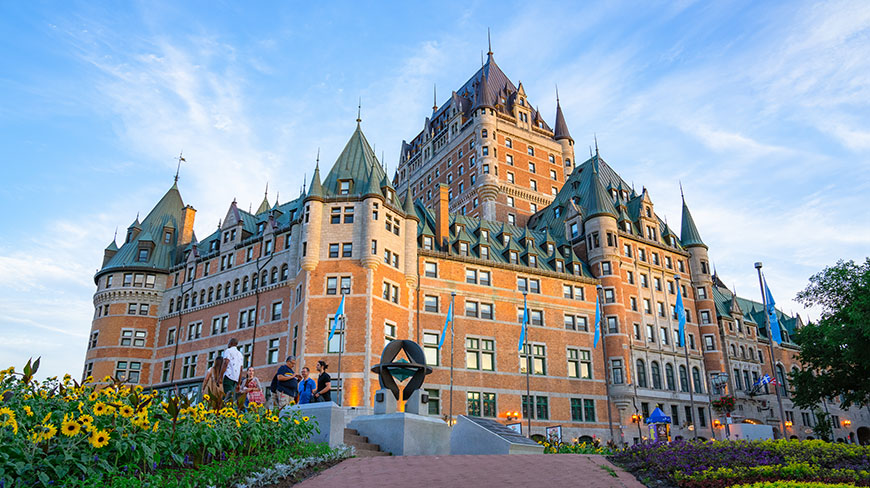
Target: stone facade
[459,222]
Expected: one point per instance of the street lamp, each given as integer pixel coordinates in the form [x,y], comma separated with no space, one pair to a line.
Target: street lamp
[512,415]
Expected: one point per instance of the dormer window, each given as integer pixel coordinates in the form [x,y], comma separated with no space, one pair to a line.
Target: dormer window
[142,256]
[389,193]
[213,245]
[484,235]
[167,237]
[512,257]
[463,249]
[129,236]
[533,261]
[549,248]
[558,212]
[260,227]
[648,212]
[233,235]
[344,187]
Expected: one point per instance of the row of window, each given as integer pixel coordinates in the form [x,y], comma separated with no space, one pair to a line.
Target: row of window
[222,291]
[485,404]
[484,310]
[145,280]
[675,413]
[220,324]
[669,377]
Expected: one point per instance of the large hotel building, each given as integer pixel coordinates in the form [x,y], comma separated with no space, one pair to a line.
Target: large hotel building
[489,206]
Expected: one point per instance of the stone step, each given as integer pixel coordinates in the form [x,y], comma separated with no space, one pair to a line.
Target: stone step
[350,431]
[371,453]
[355,438]
[363,446]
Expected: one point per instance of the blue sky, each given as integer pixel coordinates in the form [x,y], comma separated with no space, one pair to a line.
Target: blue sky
[759,108]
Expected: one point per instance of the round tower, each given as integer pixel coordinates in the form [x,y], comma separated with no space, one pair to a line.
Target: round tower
[312,219]
[487,170]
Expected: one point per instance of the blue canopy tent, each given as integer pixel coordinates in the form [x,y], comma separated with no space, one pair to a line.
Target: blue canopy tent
[659,426]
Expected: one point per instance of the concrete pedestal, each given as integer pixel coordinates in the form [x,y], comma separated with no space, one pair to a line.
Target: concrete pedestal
[474,435]
[405,434]
[329,418]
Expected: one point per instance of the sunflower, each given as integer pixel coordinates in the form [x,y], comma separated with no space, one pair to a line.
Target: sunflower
[70,428]
[155,426]
[101,408]
[305,419]
[49,431]
[99,438]
[46,418]
[85,419]
[126,411]
[8,412]
[296,421]
[36,437]
[93,396]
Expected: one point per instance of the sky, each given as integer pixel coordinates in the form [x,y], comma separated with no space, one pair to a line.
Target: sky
[760,109]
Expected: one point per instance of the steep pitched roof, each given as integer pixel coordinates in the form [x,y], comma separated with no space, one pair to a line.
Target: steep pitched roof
[689,235]
[751,311]
[358,163]
[561,131]
[167,214]
[598,201]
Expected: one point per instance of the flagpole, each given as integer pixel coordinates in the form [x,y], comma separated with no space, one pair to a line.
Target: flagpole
[452,320]
[528,350]
[770,346]
[598,291]
[689,377]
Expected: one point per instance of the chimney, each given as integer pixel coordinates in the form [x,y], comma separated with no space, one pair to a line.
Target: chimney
[442,218]
[186,234]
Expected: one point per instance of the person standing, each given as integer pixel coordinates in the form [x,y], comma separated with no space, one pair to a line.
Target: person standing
[288,382]
[323,383]
[251,388]
[212,384]
[232,368]
[306,387]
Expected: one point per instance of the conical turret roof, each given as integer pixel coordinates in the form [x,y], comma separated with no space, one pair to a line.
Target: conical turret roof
[689,235]
[561,130]
[316,188]
[598,201]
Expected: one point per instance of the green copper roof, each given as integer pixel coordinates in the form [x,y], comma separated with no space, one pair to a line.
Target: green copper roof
[408,207]
[689,235]
[751,311]
[358,164]
[166,215]
[113,246]
[598,201]
[316,189]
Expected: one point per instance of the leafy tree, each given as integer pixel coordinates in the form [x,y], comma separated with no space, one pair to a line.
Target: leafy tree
[823,428]
[835,351]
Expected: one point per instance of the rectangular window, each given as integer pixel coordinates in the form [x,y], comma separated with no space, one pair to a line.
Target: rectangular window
[276,310]
[337,342]
[347,250]
[333,250]
[332,285]
[430,348]
[471,309]
[430,303]
[616,371]
[272,352]
[486,311]
[389,332]
[471,276]
[143,309]
[430,270]
[538,359]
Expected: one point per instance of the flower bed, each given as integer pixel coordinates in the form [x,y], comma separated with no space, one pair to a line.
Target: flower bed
[726,463]
[58,430]
[576,448]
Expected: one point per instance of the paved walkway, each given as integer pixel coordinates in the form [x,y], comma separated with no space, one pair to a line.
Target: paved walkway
[550,470]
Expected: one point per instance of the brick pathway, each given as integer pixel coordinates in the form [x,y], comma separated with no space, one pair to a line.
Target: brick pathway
[551,470]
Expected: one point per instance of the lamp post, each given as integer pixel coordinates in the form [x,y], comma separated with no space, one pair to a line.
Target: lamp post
[528,350]
[758,266]
[637,418]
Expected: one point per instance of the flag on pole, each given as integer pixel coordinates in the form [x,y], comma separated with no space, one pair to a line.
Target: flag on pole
[525,323]
[771,312]
[338,313]
[681,317]
[766,379]
[597,323]
[448,320]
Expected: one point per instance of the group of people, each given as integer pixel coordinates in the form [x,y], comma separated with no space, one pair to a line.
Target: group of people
[226,379]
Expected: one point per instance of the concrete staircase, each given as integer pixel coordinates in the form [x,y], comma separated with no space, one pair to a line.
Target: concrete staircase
[361,444]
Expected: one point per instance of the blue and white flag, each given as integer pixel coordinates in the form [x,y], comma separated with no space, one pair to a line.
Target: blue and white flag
[597,323]
[448,320]
[771,312]
[338,313]
[763,380]
[681,317]
[525,324]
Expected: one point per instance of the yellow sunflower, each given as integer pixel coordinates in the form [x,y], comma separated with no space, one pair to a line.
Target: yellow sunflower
[85,419]
[99,438]
[93,396]
[49,431]
[101,408]
[46,418]
[155,426]
[305,419]
[296,421]
[8,412]
[126,411]
[71,428]
[36,437]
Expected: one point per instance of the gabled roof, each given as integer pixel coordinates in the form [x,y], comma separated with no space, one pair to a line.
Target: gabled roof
[167,214]
[751,311]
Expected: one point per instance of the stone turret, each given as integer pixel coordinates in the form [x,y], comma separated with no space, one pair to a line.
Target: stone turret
[561,134]
[312,221]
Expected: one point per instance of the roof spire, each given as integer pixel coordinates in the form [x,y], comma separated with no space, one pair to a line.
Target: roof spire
[561,129]
[488,42]
[596,145]
[358,113]
[434,97]
[681,192]
[178,168]
[267,189]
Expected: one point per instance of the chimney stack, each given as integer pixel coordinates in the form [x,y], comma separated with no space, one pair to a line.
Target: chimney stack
[186,233]
[442,217]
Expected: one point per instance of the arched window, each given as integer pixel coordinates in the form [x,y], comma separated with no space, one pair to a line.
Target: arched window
[264,278]
[669,376]
[274,278]
[218,294]
[236,286]
[696,379]
[171,304]
[193,300]
[186,300]
[733,351]
[567,161]
[780,380]
[227,290]
[641,374]
[508,143]
[743,352]
[284,272]
[684,379]
[244,284]
[254,281]
[656,375]
[483,133]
